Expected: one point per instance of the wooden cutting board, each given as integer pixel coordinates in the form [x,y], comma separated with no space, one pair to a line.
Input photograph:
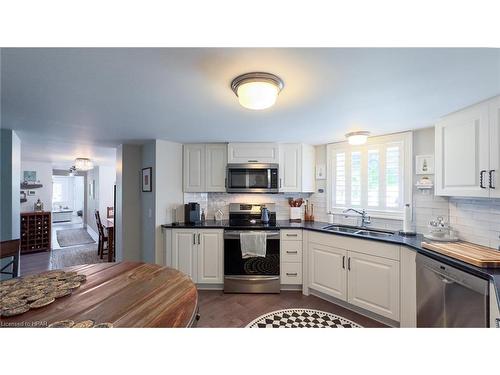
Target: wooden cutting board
[481,256]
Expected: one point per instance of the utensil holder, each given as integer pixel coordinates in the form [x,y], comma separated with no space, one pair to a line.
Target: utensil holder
[295,214]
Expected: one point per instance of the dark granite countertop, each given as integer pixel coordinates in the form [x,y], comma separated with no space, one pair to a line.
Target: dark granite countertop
[413,242]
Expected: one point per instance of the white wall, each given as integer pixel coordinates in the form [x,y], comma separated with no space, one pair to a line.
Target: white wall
[128,203]
[92,201]
[44,175]
[168,188]
[107,179]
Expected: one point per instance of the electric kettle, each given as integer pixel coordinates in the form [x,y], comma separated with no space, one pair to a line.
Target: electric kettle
[264,215]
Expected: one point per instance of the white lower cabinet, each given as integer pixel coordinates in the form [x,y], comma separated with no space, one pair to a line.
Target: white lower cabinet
[327,272]
[198,253]
[368,278]
[373,284]
[184,252]
[210,257]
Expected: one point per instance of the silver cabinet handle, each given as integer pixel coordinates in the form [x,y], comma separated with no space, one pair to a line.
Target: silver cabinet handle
[291,273]
[343,261]
[481,179]
[291,252]
[490,175]
[194,238]
[349,263]
[199,238]
[291,235]
[253,161]
[280,182]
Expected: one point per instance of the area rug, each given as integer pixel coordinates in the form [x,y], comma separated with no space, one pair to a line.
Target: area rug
[301,318]
[60,258]
[73,237]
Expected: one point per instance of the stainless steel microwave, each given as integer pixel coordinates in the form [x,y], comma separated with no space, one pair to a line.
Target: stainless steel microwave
[252,178]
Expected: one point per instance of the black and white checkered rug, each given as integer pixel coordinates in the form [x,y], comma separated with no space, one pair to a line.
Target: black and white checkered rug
[301,318]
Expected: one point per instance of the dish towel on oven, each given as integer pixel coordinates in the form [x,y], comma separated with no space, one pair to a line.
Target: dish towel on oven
[253,244]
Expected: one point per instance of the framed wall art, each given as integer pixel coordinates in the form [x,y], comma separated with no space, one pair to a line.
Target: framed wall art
[147,183]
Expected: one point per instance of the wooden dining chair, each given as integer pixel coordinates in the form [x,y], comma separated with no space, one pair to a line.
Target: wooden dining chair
[103,238]
[10,249]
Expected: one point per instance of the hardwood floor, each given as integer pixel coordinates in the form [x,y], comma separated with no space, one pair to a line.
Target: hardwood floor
[219,310]
[34,263]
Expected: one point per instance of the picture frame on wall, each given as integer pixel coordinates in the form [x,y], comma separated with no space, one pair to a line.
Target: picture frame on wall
[147,183]
[29,176]
[424,164]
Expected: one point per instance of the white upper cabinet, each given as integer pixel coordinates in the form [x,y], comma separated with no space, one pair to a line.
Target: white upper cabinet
[253,153]
[204,167]
[466,151]
[216,162]
[494,171]
[296,168]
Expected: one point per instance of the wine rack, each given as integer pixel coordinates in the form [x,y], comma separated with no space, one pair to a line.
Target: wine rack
[35,231]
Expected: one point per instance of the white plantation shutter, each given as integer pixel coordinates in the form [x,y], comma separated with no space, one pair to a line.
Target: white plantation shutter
[355,178]
[375,176]
[340,179]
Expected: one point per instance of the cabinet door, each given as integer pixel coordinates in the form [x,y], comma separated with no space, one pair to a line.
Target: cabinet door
[216,162]
[374,284]
[253,153]
[290,169]
[210,256]
[462,152]
[494,119]
[327,272]
[194,168]
[184,244]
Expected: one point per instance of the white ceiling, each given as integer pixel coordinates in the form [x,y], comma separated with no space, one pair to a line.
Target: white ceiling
[108,96]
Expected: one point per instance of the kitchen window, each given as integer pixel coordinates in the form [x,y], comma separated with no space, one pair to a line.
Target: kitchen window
[375,176]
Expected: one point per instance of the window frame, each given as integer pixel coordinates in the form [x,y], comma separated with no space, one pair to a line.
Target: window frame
[405,140]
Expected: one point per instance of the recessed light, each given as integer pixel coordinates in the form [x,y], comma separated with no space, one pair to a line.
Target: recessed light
[83,164]
[257,90]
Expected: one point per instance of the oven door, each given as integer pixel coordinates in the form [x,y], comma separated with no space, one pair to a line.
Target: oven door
[252,178]
[253,274]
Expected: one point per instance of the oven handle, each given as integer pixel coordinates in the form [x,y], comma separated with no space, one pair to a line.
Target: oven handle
[252,278]
[235,234]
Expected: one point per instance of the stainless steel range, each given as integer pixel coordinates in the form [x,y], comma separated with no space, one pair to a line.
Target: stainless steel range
[244,273]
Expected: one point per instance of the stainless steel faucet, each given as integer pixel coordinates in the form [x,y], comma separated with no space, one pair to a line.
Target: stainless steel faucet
[365,219]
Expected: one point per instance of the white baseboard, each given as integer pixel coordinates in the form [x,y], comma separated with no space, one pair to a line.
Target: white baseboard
[92,233]
[356,309]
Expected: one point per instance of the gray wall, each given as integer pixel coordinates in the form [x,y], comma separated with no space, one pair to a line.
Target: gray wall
[128,226]
[10,171]
[10,154]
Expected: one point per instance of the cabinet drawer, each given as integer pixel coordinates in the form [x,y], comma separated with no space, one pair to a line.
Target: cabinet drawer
[291,273]
[291,251]
[291,234]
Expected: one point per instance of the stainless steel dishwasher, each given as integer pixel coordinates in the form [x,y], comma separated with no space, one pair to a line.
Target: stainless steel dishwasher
[448,297]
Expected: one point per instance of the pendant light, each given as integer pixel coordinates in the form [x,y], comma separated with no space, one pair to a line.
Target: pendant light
[83,164]
[257,90]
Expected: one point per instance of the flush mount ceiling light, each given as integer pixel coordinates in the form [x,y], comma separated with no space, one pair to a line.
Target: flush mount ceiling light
[357,138]
[83,164]
[257,90]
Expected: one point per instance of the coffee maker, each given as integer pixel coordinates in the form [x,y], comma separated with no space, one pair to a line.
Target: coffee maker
[192,213]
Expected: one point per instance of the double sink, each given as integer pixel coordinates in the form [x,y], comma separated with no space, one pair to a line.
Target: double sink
[359,231]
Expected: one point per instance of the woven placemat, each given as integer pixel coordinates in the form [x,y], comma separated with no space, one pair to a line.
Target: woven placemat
[21,294]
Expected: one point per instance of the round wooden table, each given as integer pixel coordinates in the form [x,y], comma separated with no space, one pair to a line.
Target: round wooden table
[127,294]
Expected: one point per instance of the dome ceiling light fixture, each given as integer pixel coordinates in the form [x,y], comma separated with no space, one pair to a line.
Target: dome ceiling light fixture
[257,90]
[83,164]
[357,138]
